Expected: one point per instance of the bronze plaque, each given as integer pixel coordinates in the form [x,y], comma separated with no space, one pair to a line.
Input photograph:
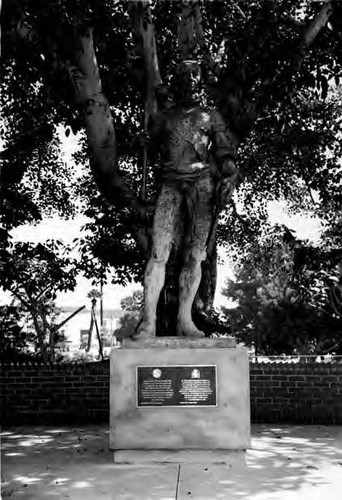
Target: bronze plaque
[182,385]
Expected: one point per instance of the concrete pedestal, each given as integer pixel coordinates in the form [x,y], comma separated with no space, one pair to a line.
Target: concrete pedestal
[180,433]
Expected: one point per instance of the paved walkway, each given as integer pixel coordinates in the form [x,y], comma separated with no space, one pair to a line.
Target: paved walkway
[285,463]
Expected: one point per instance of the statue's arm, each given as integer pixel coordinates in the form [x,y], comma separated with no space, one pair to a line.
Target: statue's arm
[225,153]
[224,146]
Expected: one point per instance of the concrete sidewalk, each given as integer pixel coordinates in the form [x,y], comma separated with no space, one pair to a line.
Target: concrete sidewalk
[285,463]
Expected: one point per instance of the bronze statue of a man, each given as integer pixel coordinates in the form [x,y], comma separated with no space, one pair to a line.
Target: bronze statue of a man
[191,138]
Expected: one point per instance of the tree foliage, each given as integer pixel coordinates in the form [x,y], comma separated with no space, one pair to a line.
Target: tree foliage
[14,339]
[271,67]
[33,274]
[132,306]
[288,297]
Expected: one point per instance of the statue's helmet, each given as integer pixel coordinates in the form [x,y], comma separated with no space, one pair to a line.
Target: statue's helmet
[189,68]
[188,79]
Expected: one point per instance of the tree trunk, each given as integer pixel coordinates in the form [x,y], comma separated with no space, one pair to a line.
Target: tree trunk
[146,48]
[186,29]
[52,336]
[40,333]
[91,327]
[85,76]
[84,73]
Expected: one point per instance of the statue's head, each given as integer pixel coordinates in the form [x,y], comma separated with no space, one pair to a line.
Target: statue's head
[188,77]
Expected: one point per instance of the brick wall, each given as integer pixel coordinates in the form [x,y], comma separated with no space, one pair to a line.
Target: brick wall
[60,393]
[304,392]
[71,393]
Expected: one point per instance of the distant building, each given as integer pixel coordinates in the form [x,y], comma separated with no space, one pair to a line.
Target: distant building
[77,329]
[84,338]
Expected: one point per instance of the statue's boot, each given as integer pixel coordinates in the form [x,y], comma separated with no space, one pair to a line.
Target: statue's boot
[189,330]
[189,281]
[165,217]
[145,330]
[153,283]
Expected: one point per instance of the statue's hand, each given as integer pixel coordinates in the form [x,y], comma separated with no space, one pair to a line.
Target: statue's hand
[230,175]
[224,191]
[229,168]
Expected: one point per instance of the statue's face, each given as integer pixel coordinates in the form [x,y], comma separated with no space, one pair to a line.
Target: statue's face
[189,75]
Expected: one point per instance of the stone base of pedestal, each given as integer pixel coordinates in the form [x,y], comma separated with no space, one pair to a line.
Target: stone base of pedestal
[167,406]
[228,457]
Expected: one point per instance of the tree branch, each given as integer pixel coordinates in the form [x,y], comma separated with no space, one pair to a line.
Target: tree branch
[84,73]
[308,37]
[335,302]
[76,54]
[21,299]
[0,27]
[191,36]
[311,32]
[213,64]
[81,64]
[35,314]
[143,25]
[186,29]
[20,28]
[241,12]
[246,112]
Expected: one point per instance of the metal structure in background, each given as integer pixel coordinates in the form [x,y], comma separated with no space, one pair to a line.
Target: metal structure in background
[93,322]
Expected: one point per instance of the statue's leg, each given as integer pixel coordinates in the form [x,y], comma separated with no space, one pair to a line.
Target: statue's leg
[165,219]
[195,253]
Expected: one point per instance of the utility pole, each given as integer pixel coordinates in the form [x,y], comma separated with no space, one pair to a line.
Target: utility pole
[101,301]
[94,295]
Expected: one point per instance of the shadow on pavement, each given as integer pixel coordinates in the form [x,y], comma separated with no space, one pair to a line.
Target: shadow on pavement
[285,462]
[64,463]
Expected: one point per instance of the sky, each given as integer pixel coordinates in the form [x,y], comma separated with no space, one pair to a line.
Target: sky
[67,230]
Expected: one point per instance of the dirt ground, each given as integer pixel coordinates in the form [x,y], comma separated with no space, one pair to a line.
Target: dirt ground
[284,463]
